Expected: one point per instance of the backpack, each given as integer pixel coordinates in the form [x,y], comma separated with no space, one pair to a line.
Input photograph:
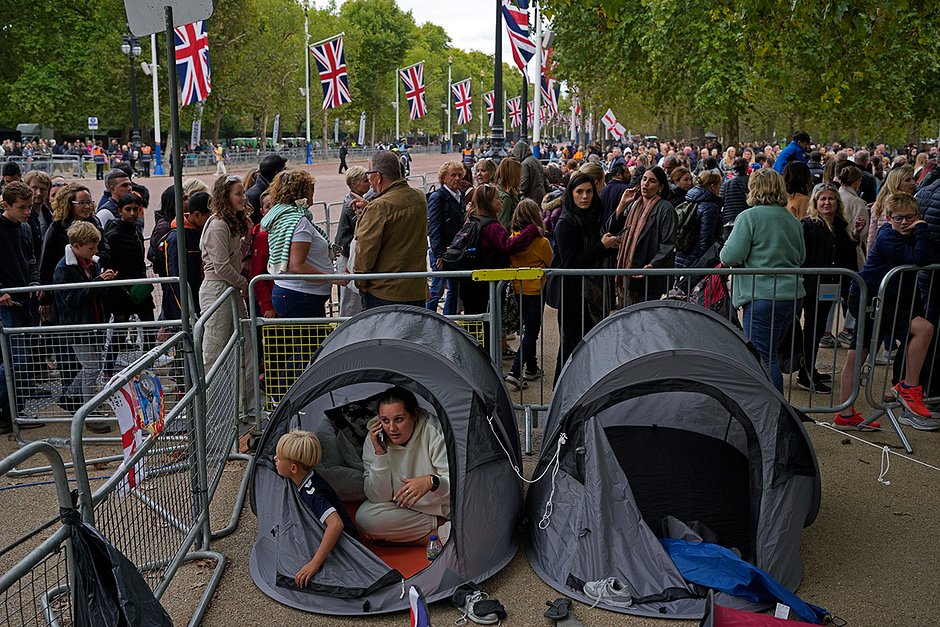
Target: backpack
[160,259]
[463,253]
[688,224]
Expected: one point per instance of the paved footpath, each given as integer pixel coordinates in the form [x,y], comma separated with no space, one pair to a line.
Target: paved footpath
[331,187]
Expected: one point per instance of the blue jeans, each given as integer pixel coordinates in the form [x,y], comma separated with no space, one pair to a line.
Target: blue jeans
[293,346]
[765,324]
[437,290]
[530,310]
[13,317]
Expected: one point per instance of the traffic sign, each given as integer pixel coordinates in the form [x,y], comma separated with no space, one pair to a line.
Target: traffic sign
[145,17]
[92,124]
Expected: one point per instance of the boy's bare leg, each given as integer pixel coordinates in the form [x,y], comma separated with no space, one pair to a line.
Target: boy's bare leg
[921,335]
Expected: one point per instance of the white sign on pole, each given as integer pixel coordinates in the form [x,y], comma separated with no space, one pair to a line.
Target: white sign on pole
[336,131]
[145,17]
[92,124]
[196,136]
[362,129]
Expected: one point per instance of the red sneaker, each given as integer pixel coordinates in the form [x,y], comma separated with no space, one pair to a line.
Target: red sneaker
[854,422]
[912,398]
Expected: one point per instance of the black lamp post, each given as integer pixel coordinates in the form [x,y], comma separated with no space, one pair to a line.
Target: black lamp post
[497,144]
[130,46]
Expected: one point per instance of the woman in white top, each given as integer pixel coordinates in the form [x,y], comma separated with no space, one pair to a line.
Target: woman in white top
[297,246]
[405,472]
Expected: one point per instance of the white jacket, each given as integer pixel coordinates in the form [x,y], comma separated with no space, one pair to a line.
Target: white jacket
[424,454]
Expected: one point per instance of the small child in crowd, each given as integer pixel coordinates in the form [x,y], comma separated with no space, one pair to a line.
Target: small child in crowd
[537,255]
[905,240]
[297,453]
[81,305]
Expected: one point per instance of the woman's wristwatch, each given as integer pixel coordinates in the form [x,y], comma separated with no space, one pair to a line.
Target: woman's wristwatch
[435,483]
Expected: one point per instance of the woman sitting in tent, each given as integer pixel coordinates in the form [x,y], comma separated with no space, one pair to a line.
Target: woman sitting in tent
[406,474]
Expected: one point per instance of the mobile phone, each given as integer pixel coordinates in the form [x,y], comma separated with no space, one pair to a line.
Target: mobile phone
[383,439]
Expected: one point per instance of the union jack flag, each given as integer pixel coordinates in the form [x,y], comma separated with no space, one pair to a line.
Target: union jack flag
[462,101]
[331,64]
[530,113]
[489,101]
[192,62]
[517,27]
[413,78]
[550,90]
[515,111]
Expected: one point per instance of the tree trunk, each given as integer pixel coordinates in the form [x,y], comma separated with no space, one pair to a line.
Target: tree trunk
[218,121]
[263,140]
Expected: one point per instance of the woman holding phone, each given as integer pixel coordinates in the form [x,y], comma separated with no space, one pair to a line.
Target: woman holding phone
[406,474]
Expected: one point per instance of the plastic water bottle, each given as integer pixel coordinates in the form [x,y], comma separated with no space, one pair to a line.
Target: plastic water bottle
[434,548]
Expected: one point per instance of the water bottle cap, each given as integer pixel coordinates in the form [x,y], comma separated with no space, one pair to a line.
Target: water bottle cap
[434,538]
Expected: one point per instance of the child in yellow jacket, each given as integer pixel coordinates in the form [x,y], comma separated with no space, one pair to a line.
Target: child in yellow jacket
[537,255]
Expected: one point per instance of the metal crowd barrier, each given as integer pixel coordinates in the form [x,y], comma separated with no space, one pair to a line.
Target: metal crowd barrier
[57,368]
[36,590]
[287,345]
[53,165]
[904,293]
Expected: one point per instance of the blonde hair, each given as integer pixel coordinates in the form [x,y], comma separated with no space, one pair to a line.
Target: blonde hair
[527,212]
[446,167]
[81,233]
[194,186]
[890,188]
[678,173]
[291,185]
[594,170]
[62,203]
[707,178]
[813,213]
[300,447]
[765,187]
[901,201]
[39,176]
[355,174]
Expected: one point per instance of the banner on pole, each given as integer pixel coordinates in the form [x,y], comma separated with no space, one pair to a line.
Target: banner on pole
[277,129]
[195,136]
[362,129]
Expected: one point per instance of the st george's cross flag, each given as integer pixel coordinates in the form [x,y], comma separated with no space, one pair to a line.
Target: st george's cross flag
[514,108]
[331,64]
[192,62]
[490,106]
[413,79]
[462,101]
[609,119]
[516,17]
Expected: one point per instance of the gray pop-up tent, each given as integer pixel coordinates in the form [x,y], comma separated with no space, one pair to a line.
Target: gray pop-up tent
[667,413]
[454,380]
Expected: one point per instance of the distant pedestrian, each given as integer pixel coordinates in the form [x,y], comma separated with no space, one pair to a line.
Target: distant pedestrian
[343,151]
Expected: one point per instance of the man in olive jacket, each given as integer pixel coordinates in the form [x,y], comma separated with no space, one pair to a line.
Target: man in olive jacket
[533,174]
[391,236]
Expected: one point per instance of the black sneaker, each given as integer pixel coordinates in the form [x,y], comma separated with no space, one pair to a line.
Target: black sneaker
[98,426]
[822,377]
[532,375]
[803,381]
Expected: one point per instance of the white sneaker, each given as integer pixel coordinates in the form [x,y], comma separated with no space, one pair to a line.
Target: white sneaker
[919,422]
[885,357]
[610,591]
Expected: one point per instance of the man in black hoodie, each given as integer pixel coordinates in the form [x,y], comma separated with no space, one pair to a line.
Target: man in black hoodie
[18,270]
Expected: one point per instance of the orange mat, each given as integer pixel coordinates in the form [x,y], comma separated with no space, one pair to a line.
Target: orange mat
[408,560]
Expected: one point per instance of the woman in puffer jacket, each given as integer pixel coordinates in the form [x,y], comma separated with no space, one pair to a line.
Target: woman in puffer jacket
[705,193]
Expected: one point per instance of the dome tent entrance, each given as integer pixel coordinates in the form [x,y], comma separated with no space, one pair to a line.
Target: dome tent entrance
[668,415]
[454,381]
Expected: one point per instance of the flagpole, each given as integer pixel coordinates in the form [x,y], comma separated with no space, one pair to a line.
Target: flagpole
[482,104]
[157,158]
[309,159]
[537,108]
[323,41]
[450,62]
[397,117]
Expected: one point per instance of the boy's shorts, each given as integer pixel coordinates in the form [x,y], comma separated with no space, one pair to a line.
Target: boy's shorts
[894,322]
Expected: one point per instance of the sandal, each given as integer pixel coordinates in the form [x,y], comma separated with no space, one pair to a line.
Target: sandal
[557,609]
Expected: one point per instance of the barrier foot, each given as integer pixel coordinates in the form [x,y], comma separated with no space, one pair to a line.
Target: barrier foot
[217,573]
[889,413]
[528,430]
[240,499]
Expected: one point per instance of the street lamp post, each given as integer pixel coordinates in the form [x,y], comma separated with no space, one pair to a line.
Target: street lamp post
[443,130]
[130,46]
[497,151]
[482,104]
[450,63]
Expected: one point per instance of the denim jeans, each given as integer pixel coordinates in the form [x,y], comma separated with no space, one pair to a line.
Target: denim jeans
[765,324]
[294,347]
[530,311]
[437,290]
[13,317]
